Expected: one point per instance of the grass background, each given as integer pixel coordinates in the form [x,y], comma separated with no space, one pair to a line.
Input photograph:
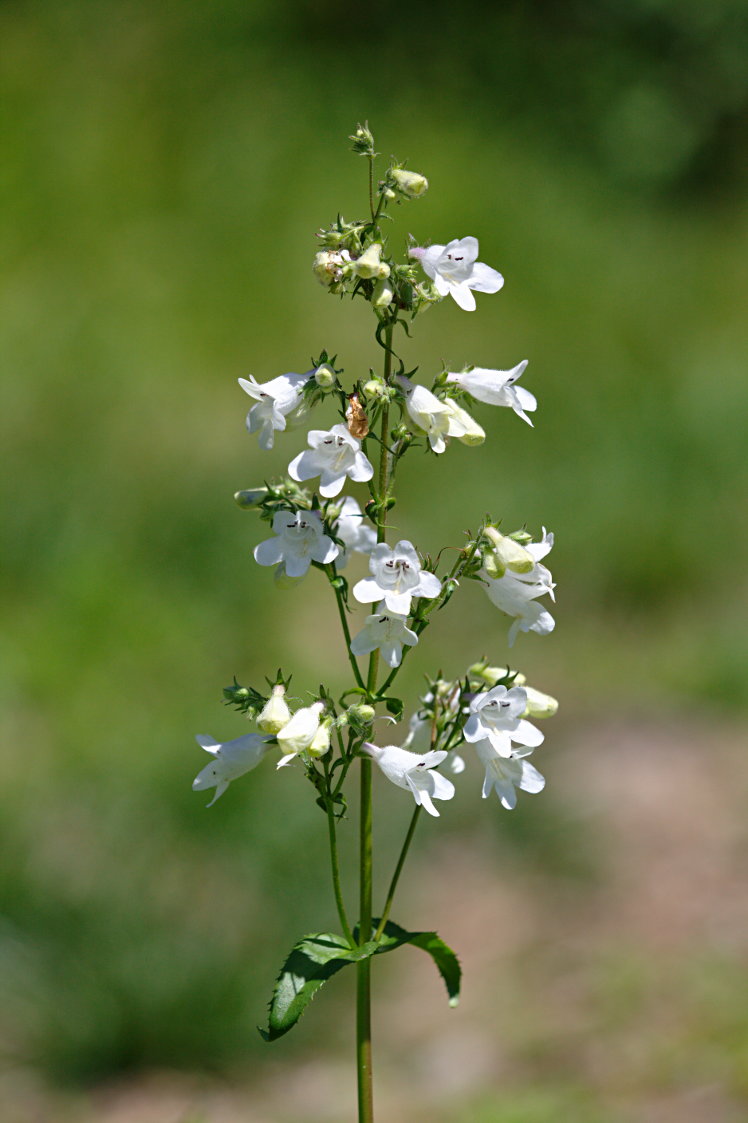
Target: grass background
[164,170]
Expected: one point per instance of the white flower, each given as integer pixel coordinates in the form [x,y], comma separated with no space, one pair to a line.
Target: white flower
[359,536]
[497,388]
[454,269]
[412,771]
[516,593]
[397,578]
[506,774]
[332,455]
[274,401]
[387,631]
[230,760]
[496,715]
[299,541]
[299,734]
[440,419]
[275,713]
[330,266]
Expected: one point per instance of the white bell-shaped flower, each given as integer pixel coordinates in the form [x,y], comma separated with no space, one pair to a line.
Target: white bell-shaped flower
[497,388]
[230,760]
[497,715]
[455,270]
[388,632]
[274,401]
[358,534]
[505,774]
[299,540]
[332,455]
[516,593]
[396,578]
[414,772]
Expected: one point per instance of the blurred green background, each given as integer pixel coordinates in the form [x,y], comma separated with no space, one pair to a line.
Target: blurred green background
[164,169]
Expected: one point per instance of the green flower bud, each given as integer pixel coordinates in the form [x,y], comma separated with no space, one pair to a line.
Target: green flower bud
[411,184]
[363,140]
[250,498]
[325,376]
[368,266]
[376,388]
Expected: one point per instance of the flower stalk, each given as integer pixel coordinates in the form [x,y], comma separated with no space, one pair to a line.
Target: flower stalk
[316,525]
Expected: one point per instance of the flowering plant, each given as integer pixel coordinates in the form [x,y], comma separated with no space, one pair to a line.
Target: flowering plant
[487,709]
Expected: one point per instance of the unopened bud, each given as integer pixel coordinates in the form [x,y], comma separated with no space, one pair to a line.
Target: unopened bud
[363,141]
[321,741]
[253,497]
[275,713]
[539,704]
[325,376]
[369,266]
[507,554]
[375,388]
[411,184]
[491,675]
[383,293]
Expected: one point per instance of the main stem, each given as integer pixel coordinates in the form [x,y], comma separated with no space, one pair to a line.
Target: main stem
[363,980]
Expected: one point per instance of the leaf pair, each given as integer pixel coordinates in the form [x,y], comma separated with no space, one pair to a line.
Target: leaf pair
[316,958]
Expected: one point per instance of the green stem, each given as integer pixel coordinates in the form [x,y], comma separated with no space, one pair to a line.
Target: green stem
[363,979]
[335,865]
[344,624]
[396,874]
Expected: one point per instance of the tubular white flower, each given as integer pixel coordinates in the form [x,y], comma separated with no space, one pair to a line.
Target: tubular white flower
[413,772]
[497,388]
[231,759]
[388,632]
[516,593]
[300,540]
[496,715]
[359,536]
[299,734]
[505,774]
[455,271]
[332,455]
[397,578]
[440,419]
[274,401]
[411,184]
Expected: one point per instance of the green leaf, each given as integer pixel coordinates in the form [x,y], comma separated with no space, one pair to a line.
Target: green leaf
[316,958]
[447,963]
[313,960]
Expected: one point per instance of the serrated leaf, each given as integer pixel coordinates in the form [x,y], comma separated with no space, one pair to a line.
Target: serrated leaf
[313,960]
[316,958]
[445,960]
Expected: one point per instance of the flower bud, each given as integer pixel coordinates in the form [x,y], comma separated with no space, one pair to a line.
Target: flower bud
[539,704]
[383,293]
[362,712]
[411,184]
[375,388]
[325,376]
[253,497]
[389,193]
[368,266]
[491,675]
[506,554]
[320,743]
[363,140]
[275,714]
